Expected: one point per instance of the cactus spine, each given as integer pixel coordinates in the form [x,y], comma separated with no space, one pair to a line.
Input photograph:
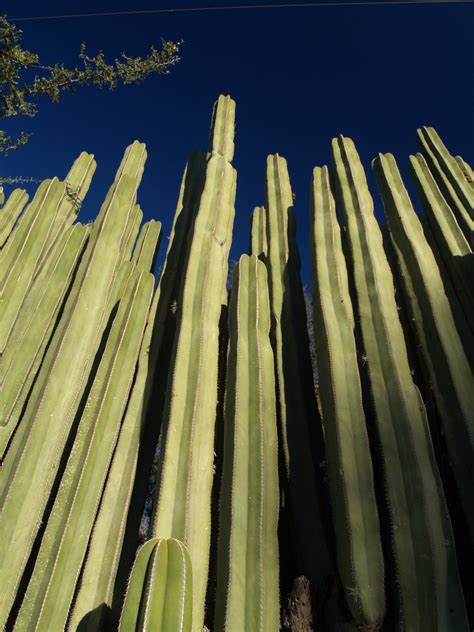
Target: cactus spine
[160,592]
[186,471]
[355,515]
[247,581]
[429,594]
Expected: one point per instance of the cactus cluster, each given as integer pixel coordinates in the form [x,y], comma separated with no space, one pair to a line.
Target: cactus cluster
[360,482]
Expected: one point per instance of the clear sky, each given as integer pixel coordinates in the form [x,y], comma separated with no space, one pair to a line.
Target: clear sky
[300,76]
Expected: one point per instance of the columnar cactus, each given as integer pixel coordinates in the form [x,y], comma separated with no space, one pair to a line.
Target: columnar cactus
[33,329]
[19,264]
[56,397]
[96,589]
[258,234]
[450,178]
[77,183]
[146,248]
[161,337]
[247,563]
[454,248]
[297,411]
[63,546]
[183,500]
[443,350]
[160,591]
[10,212]
[355,515]
[426,575]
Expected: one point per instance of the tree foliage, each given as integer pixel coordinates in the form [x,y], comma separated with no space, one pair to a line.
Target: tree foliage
[23,78]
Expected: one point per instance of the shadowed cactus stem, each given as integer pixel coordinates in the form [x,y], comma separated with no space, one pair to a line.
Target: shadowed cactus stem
[355,515]
[425,574]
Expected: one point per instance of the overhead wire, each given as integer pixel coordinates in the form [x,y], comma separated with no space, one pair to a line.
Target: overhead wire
[294,5]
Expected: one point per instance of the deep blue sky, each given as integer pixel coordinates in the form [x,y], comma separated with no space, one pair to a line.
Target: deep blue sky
[300,76]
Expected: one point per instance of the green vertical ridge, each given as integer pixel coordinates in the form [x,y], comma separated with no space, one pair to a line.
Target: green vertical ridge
[297,409]
[426,577]
[450,373]
[248,562]
[55,400]
[182,508]
[355,515]
[160,592]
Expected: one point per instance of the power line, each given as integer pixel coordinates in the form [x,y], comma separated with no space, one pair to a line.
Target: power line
[298,5]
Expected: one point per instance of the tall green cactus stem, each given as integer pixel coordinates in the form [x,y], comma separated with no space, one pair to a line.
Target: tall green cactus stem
[31,333]
[12,248]
[448,365]
[247,564]
[162,335]
[186,471]
[96,588]
[297,406]
[11,212]
[53,582]
[453,245]
[55,399]
[221,140]
[258,234]
[449,178]
[355,515]
[17,272]
[132,163]
[160,592]
[77,183]
[132,232]
[426,575]
[146,249]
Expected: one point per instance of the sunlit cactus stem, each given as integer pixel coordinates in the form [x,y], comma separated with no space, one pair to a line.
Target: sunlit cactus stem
[55,398]
[248,559]
[160,591]
[185,471]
